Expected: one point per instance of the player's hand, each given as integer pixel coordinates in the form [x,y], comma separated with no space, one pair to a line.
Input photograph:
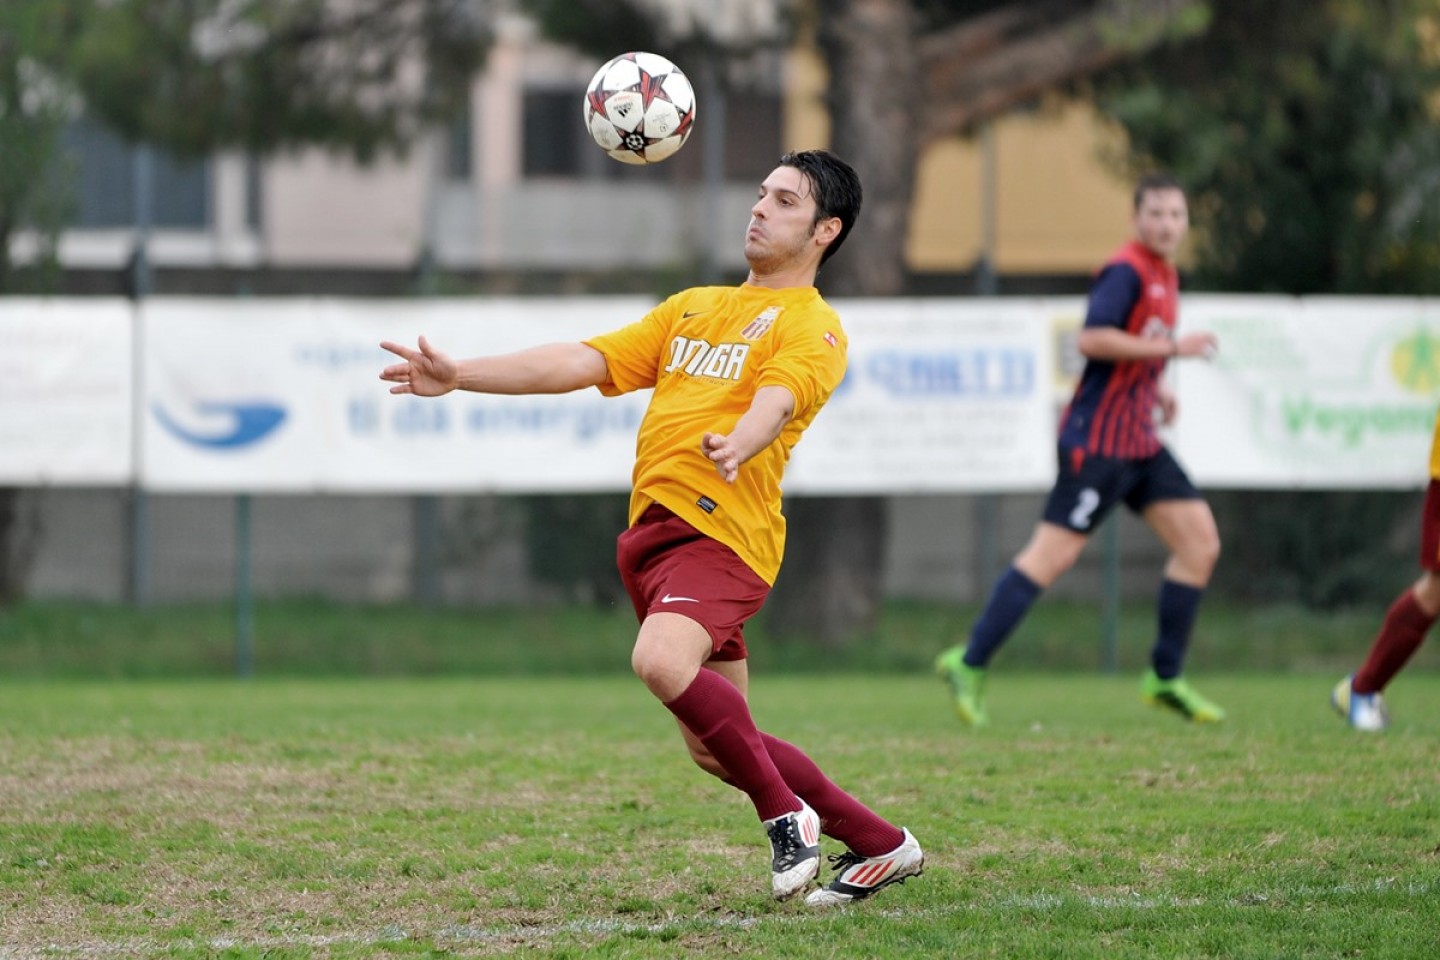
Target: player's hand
[1197,345]
[425,373]
[722,453]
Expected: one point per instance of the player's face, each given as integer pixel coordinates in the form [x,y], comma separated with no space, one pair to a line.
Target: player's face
[782,229]
[1162,221]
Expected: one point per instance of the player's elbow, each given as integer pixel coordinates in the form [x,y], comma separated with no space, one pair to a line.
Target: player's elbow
[1091,344]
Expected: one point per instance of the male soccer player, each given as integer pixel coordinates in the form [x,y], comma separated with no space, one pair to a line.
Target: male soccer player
[738,374]
[1110,453]
[1357,698]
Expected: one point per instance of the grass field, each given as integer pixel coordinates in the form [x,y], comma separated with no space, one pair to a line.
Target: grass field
[558,817]
[73,640]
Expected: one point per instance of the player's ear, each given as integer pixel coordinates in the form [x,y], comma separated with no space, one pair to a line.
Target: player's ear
[827,230]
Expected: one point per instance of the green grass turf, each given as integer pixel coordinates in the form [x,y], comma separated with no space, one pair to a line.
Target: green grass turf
[558,817]
[52,640]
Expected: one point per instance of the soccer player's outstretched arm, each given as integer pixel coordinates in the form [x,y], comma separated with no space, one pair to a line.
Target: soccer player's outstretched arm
[771,409]
[1108,343]
[552,368]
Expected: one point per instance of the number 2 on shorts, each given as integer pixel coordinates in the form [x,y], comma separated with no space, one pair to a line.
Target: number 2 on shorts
[1085,505]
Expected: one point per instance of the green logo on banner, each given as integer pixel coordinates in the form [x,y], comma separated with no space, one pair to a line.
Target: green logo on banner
[1415,361]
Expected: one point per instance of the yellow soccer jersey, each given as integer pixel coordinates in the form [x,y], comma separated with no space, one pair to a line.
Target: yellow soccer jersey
[1435,451]
[706,351]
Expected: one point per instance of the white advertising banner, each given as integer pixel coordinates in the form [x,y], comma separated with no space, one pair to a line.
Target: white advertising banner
[66,392]
[940,396]
[285,395]
[1324,392]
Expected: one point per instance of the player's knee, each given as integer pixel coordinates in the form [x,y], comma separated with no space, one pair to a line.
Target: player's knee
[647,668]
[1045,563]
[1201,553]
[1209,549]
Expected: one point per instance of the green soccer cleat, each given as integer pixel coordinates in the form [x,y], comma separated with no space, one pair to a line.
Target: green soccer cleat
[1180,697]
[967,686]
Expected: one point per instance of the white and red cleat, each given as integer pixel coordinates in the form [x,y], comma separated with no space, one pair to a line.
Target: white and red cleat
[858,877]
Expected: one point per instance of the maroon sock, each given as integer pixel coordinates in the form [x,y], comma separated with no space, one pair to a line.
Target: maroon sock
[716,712]
[841,815]
[1400,635]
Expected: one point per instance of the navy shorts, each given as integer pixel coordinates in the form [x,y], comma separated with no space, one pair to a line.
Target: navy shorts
[1088,487]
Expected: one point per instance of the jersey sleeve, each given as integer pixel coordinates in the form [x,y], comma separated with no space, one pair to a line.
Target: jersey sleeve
[633,353]
[1113,296]
[810,364]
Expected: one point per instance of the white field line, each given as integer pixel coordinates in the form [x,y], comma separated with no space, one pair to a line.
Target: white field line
[522,934]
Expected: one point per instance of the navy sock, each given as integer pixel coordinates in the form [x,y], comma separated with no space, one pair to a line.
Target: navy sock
[1009,602]
[1179,604]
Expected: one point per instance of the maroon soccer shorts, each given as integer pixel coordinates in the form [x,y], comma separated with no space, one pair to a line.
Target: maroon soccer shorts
[1430,529]
[668,566]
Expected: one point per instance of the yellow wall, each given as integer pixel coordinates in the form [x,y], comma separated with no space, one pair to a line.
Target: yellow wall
[1058,210]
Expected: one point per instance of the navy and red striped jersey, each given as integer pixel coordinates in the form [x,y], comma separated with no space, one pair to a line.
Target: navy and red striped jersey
[1113,411]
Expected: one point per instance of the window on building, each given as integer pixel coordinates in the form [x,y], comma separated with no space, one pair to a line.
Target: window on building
[457,156]
[553,134]
[105,189]
[556,143]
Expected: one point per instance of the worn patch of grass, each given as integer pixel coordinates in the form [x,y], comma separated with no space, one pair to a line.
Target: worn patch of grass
[559,817]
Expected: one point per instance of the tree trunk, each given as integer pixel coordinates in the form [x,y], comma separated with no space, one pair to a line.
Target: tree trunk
[828,593]
[875,78]
[830,590]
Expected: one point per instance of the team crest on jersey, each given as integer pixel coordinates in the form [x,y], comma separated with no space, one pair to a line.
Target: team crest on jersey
[761,325]
[1155,329]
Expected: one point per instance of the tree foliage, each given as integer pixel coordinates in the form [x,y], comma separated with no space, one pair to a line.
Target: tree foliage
[358,75]
[1306,134]
[36,99]
[195,76]
[981,58]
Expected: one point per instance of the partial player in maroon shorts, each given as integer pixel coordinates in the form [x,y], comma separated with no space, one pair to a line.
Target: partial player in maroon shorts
[1358,698]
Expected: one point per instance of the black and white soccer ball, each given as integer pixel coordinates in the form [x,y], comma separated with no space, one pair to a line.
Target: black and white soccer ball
[640,108]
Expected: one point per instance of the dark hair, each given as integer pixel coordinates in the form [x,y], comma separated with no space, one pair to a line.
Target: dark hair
[1159,180]
[835,186]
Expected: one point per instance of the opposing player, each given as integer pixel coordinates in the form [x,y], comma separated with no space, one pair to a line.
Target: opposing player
[738,374]
[1110,453]
[1358,698]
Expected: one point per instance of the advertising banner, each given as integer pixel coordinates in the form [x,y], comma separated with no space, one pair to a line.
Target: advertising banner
[944,395]
[284,395]
[66,379]
[941,396]
[1324,392]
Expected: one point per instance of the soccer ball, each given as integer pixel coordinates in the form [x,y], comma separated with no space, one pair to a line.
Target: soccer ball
[640,108]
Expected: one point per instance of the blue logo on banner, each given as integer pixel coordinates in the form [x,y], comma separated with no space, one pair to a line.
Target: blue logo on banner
[240,424]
